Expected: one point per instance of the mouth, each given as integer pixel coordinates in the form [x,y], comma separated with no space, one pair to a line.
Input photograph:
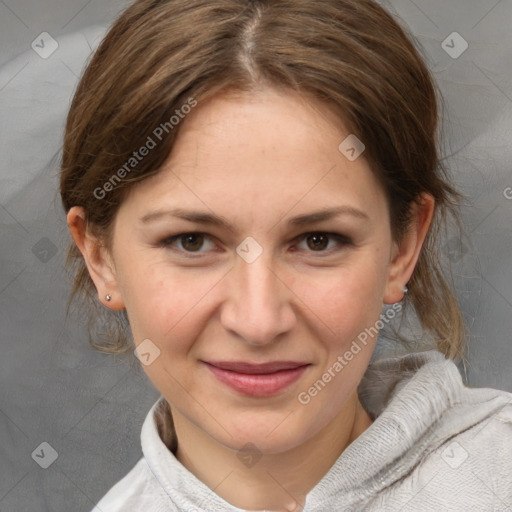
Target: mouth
[257,380]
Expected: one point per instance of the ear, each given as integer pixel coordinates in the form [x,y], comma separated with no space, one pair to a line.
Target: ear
[405,255]
[97,258]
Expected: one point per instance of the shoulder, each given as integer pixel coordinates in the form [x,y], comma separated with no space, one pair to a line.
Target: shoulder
[487,441]
[452,444]
[482,443]
[468,462]
[137,490]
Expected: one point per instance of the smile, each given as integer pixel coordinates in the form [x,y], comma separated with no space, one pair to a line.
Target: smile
[257,380]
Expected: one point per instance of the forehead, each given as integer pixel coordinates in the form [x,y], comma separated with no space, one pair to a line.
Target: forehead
[260,152]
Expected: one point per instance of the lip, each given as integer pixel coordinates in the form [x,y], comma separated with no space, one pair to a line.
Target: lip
[256,368]
[257,380]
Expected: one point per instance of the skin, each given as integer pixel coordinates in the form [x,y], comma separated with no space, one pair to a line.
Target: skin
[257,161]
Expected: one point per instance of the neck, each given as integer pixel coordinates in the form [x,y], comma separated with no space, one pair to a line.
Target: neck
[277,481]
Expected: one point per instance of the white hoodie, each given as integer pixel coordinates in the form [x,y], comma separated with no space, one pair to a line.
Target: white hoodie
[435,445]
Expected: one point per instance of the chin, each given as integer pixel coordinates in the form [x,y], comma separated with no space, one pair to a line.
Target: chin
[275,434]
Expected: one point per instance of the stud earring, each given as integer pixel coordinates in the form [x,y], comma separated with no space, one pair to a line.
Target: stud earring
[405,290]
[108,298]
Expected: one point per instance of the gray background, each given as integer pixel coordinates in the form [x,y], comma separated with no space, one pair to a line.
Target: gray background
[89,407]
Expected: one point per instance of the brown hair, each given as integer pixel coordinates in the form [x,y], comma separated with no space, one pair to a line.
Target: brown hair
[353,56]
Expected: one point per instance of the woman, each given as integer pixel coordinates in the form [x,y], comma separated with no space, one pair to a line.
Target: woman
[247,184]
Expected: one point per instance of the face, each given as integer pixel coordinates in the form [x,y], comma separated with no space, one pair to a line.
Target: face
[263,285]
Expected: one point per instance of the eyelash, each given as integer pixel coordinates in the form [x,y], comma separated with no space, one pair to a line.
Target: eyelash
[167,242]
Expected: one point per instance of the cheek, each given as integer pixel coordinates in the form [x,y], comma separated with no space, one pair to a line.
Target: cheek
[344,300]
[161,301]
[149,300]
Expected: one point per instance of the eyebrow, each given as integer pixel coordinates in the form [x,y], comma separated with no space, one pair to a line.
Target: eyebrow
[200,217]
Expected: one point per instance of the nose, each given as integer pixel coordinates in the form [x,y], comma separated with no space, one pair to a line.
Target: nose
[258,307]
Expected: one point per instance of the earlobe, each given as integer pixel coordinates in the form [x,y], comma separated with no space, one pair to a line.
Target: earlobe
[97,259]
[406,254]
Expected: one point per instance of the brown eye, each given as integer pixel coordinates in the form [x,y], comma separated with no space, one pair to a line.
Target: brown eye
[324,243]
[192,242]
[319,241]
[187,243]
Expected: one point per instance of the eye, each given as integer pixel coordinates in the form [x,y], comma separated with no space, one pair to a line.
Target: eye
[318,241]
[190,242]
